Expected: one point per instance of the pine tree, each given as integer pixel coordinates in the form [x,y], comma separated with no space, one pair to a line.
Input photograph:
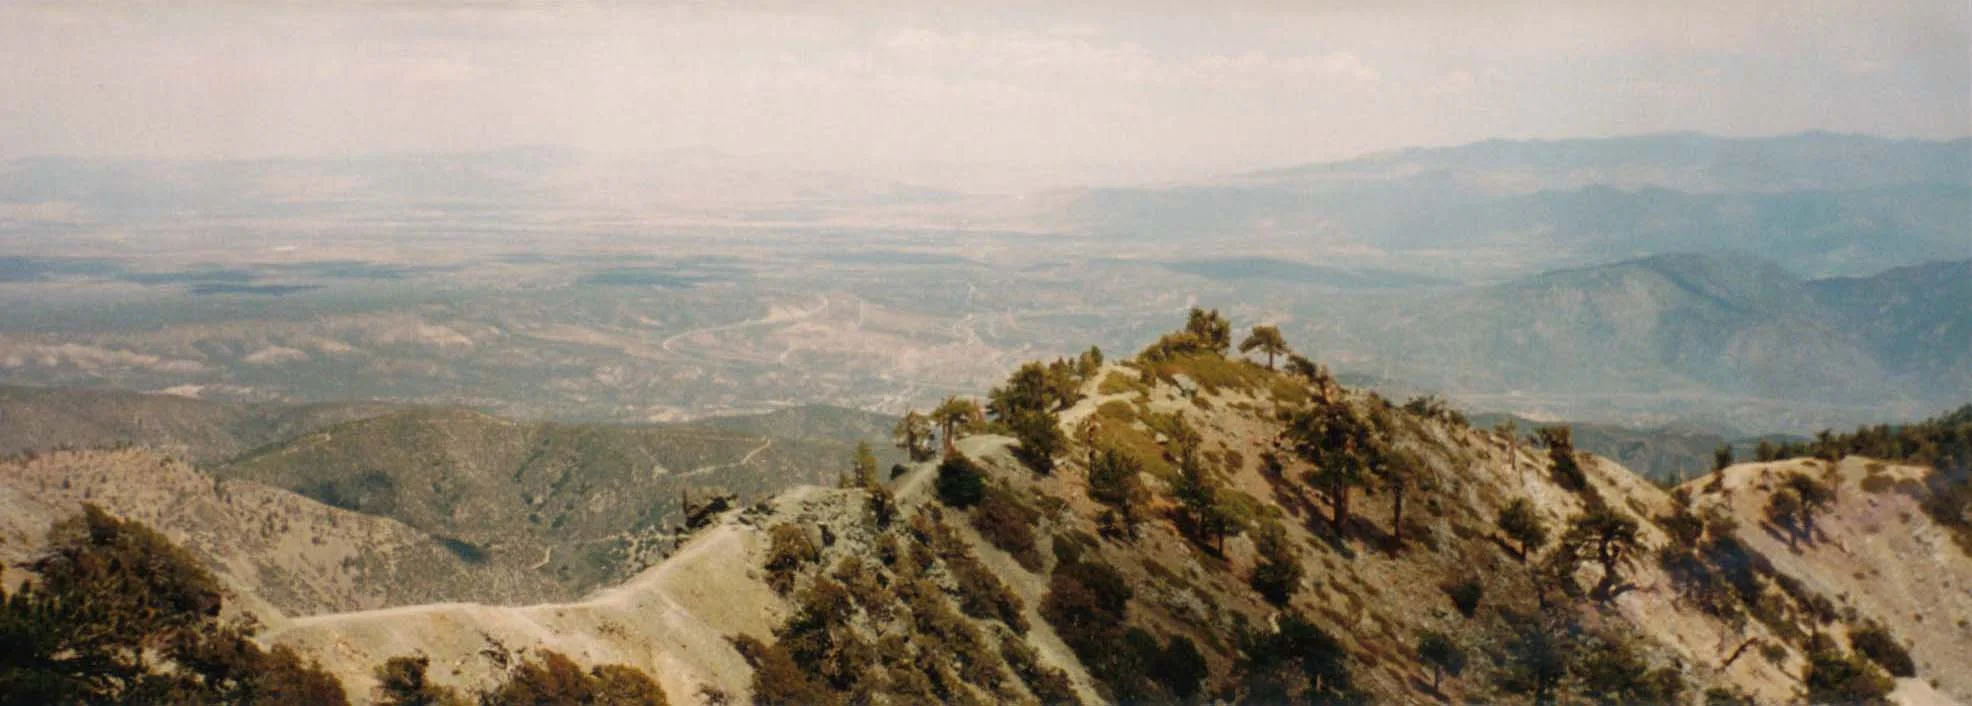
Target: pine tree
[1523,525]
[913,435]
[1267,340]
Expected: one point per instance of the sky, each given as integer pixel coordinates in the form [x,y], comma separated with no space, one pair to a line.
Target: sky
[1101,91]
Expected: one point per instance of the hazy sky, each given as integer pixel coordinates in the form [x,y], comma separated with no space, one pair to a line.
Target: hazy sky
[1149,88]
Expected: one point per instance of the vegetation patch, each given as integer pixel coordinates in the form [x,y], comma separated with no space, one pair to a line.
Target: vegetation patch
[1116,383]
[1117,411]
[1141,448]
[1003,520]
[1211,372]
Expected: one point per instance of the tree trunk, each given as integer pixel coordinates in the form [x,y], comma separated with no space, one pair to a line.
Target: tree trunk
[1397,518]
[1270,360]
[1734,657]
[1341,507]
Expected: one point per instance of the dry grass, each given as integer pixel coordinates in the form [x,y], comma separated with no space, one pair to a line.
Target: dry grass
[1117,383]
[1213,373]
[1139,445]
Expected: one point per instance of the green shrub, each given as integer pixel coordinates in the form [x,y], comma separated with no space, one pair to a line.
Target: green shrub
[1444,655]
[1049,685]
[1278,571]
[1834,677]
[1009,525]
[1875,642]
[1087,604]
[983,595]
[1465,595]
[960,482]
[1039,438]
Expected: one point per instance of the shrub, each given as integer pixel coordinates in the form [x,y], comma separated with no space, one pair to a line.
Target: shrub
[1009,525]
[788,548]
[960,482]
[1049,685]
[618,685]
[1278,572]
[1179,667]
[1839,678]
[553,678]
[401,681]
[1567,471]
[1523,525]
[778,681]
[1465,595]
[1612,671]
[1298,651]
[1727,696]
[1438,650]
[1039,436]
[1087,603]
[983,595]
[1875,642]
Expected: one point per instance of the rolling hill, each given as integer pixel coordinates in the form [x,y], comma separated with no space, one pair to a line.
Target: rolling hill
[202,431]
[1749,344]
[588,504]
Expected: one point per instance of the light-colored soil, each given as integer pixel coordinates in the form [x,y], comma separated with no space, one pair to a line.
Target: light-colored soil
[1876,552]
[672,621]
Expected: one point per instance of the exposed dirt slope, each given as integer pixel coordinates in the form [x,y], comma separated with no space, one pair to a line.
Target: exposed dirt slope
[1873,552]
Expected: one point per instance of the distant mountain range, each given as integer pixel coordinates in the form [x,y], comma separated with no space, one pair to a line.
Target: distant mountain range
[1817,204]
[1758,346]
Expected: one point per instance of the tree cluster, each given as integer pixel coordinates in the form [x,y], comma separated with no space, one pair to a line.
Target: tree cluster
[1205,332]
[1547,655]
[1203,512]
[1943,443]
[1116,481]
[1028,403]
[120,615]
[1348,449]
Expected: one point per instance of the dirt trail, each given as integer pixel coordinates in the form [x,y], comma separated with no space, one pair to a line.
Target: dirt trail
[672,621]
[772,317]
[748,458]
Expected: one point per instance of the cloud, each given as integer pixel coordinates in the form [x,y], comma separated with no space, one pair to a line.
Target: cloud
[875,83]
[1341,65]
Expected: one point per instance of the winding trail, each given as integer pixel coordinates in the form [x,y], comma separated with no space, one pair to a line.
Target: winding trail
[669,343]
[748,458]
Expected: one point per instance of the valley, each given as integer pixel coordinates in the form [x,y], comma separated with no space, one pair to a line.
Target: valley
[1841,303]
